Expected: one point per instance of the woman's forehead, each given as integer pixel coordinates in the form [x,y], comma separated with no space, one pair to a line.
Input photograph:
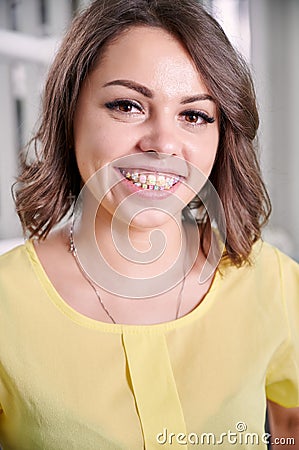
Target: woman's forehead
[153,57]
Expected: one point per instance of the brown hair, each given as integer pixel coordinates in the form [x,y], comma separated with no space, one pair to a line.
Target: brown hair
[235,174]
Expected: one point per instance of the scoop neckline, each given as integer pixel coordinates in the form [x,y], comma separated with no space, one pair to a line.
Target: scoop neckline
[117,328]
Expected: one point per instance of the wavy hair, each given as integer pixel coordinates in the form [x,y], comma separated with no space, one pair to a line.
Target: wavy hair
[236,173]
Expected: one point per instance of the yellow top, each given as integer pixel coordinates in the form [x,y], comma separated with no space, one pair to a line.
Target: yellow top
[71,382]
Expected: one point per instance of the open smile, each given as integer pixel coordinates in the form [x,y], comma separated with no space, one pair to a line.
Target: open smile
[156,181]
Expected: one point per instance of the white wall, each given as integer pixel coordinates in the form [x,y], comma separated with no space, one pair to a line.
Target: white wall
[275,62]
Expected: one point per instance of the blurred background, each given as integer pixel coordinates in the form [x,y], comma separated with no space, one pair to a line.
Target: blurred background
[266,32]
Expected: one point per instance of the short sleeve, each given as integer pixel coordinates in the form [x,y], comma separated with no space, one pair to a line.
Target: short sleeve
[282,384]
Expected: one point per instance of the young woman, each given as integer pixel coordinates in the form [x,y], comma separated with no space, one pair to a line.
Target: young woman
[142,345]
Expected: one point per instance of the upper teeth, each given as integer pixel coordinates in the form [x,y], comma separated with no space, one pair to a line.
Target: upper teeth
[150,180]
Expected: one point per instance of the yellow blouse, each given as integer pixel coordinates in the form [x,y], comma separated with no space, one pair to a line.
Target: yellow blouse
[201,381]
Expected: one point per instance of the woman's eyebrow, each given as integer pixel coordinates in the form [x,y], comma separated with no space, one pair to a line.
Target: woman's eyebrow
[149,94]
[196,98]
[132,85]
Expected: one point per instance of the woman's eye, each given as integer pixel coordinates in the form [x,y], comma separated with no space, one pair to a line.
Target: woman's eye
[192,118]
[196,117]
[124,106]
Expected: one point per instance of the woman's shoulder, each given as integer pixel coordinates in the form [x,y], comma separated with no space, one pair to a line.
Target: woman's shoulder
[10,257]
[30,250]
[16,276]
[267,266]
[267,255]
[272,270]
[15,266]
[22,277]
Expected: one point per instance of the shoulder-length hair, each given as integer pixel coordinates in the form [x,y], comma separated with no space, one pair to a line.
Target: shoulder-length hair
[48,186]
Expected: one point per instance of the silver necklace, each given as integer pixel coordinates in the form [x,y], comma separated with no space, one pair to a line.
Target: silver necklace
[73,251]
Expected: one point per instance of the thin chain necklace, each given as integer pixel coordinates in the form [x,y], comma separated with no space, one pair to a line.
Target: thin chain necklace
[73,251]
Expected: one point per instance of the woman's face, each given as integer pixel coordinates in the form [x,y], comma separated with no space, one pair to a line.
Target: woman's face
[146,98]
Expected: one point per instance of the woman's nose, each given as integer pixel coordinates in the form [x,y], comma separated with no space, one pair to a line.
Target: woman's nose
[161,137]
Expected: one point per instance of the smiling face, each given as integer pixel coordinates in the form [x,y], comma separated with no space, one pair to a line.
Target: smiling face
[145,98]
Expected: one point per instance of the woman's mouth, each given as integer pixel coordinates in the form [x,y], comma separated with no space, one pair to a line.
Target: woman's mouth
[155,181]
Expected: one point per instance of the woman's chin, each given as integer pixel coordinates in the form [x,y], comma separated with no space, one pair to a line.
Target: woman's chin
[151,218]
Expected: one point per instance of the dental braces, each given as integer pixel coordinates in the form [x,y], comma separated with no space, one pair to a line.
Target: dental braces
[149,180]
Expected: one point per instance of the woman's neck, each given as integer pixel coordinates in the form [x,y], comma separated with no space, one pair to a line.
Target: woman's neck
[133,250]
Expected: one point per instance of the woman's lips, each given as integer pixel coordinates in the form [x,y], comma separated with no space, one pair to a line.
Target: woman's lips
[145,180]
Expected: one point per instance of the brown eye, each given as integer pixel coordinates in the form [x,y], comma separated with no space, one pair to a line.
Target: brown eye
[192,118]
[125,107]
